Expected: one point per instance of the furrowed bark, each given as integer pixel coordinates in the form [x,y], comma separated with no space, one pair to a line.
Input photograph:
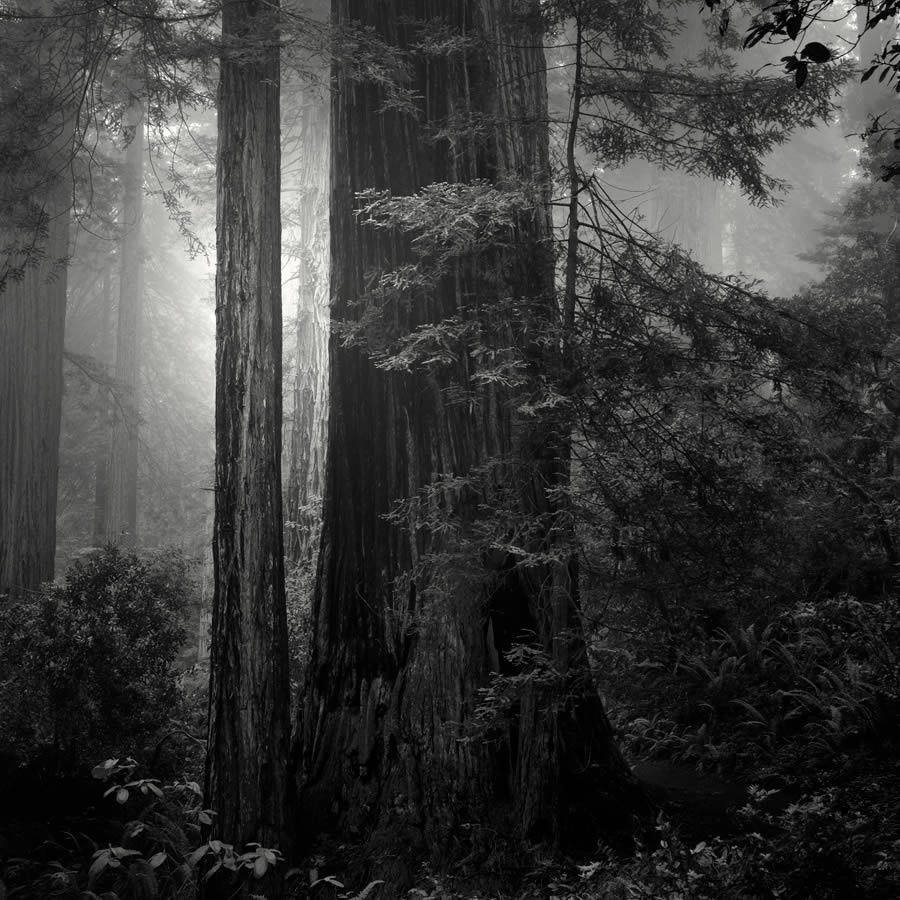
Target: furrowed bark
[249,727]
[399,660]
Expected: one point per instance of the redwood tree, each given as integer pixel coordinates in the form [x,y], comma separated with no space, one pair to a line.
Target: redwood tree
[40,66]
[308,410]
[414,616]
[121,476]
[249,725]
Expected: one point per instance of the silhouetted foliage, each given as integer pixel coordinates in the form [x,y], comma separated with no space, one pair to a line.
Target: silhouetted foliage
[86,666]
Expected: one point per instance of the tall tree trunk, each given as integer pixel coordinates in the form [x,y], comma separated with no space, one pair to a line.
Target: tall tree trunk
[399,659]
[36,197]
[32,325]
[306,452]
[122,468]
[101,460]
[249,723]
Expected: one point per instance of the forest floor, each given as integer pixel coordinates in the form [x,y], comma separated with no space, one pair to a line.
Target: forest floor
[825,825]
[702,804]
[783,824]
[827,831]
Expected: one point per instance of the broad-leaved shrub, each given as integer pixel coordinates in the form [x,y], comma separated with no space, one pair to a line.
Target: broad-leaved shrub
[86,665]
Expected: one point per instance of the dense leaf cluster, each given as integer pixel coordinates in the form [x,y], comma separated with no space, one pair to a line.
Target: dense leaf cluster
[86,667]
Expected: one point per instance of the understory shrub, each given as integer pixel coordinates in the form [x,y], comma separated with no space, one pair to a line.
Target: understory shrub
[86,666]
[155,846]
[827,846]
[819,676]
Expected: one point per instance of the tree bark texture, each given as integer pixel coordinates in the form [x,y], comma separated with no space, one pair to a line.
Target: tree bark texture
[122,468]
[249,719]
[308,424]
[35,203]
[387,742]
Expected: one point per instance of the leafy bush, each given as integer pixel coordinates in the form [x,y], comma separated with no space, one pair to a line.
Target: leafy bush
[826,846]
[86,666]
[672,870]
[159,847]
[298,595]
[820,675]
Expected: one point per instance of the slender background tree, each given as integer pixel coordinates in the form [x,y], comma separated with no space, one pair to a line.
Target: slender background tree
[121,476]
[306,169]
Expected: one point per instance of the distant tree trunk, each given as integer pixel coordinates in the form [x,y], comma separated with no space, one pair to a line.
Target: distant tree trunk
[101,460]
[122,468]
[249,723]
[310,383]
[686,209]
[36,198]
[397,662]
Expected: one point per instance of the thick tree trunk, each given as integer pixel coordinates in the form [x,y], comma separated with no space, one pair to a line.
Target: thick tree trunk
[122,468]
[409,623]
[35,203]
[249,704]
